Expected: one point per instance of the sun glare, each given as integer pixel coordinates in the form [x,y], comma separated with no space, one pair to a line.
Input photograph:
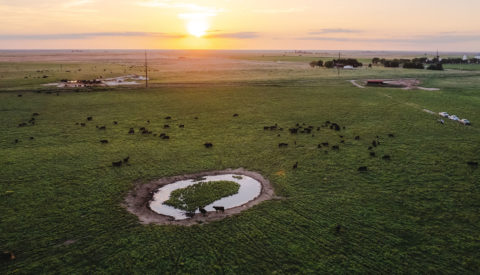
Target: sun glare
[197,27]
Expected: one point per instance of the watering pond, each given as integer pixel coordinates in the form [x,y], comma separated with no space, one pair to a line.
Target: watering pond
[249,190]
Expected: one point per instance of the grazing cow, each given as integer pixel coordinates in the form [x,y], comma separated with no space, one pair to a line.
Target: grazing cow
[208,145]
[339,229]
[327,122]
[148,121]
[363,169]
[117,163]
[32,138]
[162,135]
[102,128]
[335,127]
[168,117]
[386,157]
[282,145]
[307,130]
[165,137]
[89,118]
[82,124]
[370,148]
[202,210]
[342,141]
[295,166]
[374,143]
[76,123]
[142,129]
[166,126]
[125,160]
[235,115]
[35,114]
[219,208]
[20,95]
[319,146]
[181,126]
[22,124]
[190,214]
[335,147]
[357,138]
[196,117]
[391,135]
[325,144]
[131,131]
[16,141]
[104,141]
[372,154]
[340,136]
[473,164]
[115,123]
[293,130]
[8,256]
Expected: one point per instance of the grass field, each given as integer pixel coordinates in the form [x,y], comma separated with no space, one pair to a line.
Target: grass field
[61,201]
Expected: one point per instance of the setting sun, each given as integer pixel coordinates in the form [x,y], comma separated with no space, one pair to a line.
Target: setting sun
[197,27]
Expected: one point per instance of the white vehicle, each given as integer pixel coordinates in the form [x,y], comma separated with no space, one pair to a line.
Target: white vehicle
[465,121]
[444,114]
[454,118]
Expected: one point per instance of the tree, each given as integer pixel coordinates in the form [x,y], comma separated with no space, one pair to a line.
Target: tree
[436,67]
[313,64]
[320,63]
[329,64]
[375,60]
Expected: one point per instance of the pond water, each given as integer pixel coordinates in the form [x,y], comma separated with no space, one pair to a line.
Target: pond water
[249,190]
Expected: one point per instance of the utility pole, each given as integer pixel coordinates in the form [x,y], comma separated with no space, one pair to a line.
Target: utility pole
[146,70]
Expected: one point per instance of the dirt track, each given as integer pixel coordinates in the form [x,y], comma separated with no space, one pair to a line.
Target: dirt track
[137,201]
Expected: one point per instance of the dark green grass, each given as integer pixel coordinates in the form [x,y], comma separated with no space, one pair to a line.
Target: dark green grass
[417,213]
[202,194]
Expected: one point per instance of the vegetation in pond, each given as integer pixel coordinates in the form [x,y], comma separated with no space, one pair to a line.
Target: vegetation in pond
[201,194]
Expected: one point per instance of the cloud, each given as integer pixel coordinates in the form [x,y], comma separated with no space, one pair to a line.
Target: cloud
[235,35]
[85,35]
[325,31]
[77,3]
[440,38]
[179,5]
[277,11]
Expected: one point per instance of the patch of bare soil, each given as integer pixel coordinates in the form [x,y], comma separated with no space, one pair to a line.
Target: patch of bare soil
[137,200]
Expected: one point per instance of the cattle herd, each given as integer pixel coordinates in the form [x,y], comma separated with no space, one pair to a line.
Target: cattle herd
[297,129]
[302,128]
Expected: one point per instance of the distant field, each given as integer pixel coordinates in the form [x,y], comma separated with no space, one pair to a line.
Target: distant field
[61,201]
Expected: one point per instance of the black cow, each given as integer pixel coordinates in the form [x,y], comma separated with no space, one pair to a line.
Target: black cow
[335,127]
[22,124]
[219,208]
[319,146]
[391,135]
[282,145]
[115,123]
[386,157]
[202,210]
[35,114]
[208,145]
[165,137]
[372,154]
[473,164]
[190,214]
[325,144]
[166,126]
[335,147]
[363,169]
[168,117]
[235,115]
[131,131]
[342,141]
[32,138]
[20,95]
[295,166]
[374,143]
[82,124]
[125,160]
[102,128]
[181,126]
[16,141]
[357,138]
[89,118]
[104,141]
[293,130]
[117,163]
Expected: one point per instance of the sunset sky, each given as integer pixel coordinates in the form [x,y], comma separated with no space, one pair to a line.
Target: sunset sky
[241,24]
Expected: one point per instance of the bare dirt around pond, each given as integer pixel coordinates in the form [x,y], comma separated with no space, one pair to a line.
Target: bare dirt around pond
[137,200]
